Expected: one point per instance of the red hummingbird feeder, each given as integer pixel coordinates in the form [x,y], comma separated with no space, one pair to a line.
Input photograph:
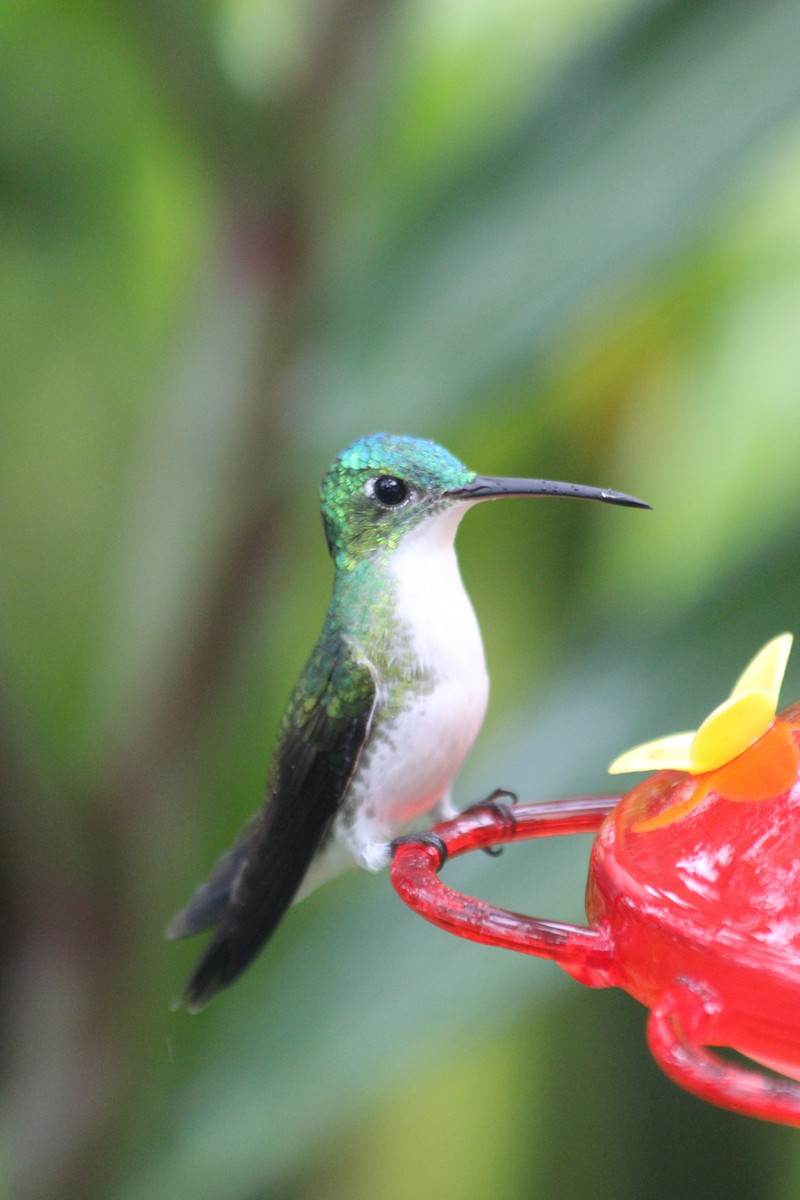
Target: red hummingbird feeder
[693,897]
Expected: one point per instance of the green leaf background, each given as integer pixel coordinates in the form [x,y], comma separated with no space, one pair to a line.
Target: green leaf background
[564,239]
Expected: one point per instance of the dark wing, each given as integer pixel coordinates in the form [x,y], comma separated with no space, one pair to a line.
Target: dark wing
[252,885]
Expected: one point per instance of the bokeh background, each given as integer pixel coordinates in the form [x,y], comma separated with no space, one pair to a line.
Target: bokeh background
[563,238]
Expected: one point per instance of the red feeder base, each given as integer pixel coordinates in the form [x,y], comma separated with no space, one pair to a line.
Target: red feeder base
[697,916]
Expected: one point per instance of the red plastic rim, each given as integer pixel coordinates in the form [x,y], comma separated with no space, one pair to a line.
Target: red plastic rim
[418,859]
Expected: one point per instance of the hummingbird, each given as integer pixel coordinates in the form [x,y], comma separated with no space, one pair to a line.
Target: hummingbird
[387,707]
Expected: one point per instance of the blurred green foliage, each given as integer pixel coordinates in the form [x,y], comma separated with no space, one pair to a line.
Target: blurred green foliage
[562,238]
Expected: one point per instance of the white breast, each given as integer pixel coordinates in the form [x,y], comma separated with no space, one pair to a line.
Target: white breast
[411,764]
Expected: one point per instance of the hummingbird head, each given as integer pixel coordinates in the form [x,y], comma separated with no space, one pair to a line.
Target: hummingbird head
[383,486]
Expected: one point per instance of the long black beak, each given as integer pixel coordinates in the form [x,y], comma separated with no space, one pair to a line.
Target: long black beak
[490,487]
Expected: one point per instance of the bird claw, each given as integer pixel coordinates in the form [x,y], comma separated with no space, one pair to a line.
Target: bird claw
[492,804]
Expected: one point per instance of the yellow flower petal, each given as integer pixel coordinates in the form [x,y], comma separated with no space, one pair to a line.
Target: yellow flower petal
[765,672]
[667,753]
[730,729]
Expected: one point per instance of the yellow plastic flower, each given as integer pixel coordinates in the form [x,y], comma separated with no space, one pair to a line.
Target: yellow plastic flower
[729,730]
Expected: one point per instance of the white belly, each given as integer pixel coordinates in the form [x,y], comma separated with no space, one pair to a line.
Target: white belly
[410,761]
[414,761]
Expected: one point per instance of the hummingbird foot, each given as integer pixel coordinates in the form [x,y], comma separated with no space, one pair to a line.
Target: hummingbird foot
[425,839]
[492,804]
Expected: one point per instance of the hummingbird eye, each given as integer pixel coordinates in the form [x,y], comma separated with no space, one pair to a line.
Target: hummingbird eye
[389,491]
